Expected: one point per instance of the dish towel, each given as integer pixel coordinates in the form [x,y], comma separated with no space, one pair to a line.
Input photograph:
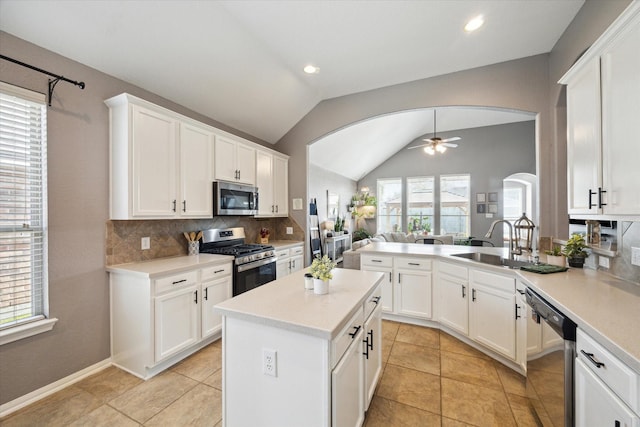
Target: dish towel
[544,268]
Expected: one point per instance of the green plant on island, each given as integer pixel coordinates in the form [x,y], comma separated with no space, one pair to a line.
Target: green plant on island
[575,247]
[555,251]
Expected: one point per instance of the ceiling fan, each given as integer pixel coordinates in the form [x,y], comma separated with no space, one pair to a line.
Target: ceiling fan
[435,143]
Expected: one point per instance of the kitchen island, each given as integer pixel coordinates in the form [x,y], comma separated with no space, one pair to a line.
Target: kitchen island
[293,358]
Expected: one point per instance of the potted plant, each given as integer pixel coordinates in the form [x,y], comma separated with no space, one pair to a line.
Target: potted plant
[574,250]
[264,236]
[321,272]
[555,256]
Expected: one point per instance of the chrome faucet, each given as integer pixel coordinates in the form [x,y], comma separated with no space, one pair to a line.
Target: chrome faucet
[512,252]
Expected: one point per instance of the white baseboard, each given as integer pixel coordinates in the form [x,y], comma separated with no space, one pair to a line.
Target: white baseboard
[34,396]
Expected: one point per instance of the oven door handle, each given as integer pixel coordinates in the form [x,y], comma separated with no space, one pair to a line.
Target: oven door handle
[256,264]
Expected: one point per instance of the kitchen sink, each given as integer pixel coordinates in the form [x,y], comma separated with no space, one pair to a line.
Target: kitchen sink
[492,260]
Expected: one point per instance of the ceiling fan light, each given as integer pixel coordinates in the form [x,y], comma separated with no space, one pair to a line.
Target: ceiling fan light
[429,150]
[441,148]
[474,24]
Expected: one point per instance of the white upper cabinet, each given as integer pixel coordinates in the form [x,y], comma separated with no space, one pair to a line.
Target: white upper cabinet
[272,180]
[161,166]
[603,107]
[234,161]
[196,171]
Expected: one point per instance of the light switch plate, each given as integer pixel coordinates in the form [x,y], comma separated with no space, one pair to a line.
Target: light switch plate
[289,230]
[635,256]
[145,243]
[603,261]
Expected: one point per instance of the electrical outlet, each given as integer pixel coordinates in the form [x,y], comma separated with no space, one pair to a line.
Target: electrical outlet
[603,261]
[269,362]
[289,230]
[145,243]
[635,256]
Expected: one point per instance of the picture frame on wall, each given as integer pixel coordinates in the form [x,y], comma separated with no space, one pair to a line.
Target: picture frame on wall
[481,208]
[493,197]
[481,197]
[493,208]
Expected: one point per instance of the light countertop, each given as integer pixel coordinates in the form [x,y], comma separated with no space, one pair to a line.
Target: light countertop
[284,303]
[171,265]
[285,244]
[603,306]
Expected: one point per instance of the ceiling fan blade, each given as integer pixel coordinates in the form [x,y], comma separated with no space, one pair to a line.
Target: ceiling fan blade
[453,138]
[419,146]
[448,144]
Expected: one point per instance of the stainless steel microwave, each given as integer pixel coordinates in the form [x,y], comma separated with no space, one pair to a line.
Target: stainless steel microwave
[234,199]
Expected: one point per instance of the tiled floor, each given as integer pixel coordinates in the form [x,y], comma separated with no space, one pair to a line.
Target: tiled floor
[429,379]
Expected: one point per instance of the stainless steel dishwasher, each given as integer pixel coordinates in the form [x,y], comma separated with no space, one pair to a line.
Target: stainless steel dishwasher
[564,365]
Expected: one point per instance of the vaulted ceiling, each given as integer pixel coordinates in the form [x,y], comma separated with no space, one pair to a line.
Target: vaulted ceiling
[240,62]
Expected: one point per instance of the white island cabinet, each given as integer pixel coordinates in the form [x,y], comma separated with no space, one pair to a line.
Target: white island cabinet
[162,310]
[302,359]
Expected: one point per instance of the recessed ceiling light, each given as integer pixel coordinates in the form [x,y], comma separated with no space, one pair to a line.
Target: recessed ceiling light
[311,69]
[474,24]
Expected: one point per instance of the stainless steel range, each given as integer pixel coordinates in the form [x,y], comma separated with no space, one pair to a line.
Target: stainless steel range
[255,264]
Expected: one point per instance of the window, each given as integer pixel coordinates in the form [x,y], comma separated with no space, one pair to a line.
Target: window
[454,204]
[420,204]
[23,210]
[389,205]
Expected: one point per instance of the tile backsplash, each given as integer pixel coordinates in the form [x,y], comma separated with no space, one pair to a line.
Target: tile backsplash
[123,237]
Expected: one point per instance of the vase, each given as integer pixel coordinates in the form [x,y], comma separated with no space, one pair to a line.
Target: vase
[576,262]
[308,281]
[320,287]
[558,260]
[194,248]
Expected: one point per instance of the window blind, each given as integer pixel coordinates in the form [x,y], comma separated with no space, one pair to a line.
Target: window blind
[23,206]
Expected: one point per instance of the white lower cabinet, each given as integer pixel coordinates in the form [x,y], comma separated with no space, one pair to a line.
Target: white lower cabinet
[289,260]
[596,404]
[372,344]
[453,290]
[492,312]
[407,287]
[158,319]
[347,386]
[382,264]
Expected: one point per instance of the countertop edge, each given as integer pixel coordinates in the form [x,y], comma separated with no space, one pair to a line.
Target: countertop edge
[155,268]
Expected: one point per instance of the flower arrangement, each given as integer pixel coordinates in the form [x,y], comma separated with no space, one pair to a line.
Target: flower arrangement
[264,235]
[321,268]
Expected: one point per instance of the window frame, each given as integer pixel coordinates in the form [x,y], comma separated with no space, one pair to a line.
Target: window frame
[468,205]
[430,218]
[37,322]
[380,202]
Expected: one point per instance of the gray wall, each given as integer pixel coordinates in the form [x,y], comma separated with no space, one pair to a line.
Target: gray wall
[78,146]
[488,154]
[321,180]
[527,84]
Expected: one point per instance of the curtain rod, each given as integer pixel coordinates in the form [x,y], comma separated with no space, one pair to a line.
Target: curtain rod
[52,83]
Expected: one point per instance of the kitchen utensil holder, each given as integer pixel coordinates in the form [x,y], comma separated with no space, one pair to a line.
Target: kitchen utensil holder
[194,248]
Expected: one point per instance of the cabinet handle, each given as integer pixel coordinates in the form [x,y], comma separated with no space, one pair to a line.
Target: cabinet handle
[366,347]
[276,208]
[592,359]
[414,263]
[354,333]
[376,300]
[376,260]
[195,299]
[272,211]
[390,278]
[206,294]
[521,292]
[184,206]
[399,275]
[174,205]
[517,315]
[293,263]
[370,343]
[591,193]
[600,192]
[464,291]
[218,271]
[473,294]
[617,423]
[179,281]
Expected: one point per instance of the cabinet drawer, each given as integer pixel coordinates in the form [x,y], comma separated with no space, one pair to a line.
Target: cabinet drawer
[616,375]
[376,261]
[497,281]
[454,270]
[298,250]
[282,253]
[340,343]
[215,271]
[176,281]
[372,301]
[413,263]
